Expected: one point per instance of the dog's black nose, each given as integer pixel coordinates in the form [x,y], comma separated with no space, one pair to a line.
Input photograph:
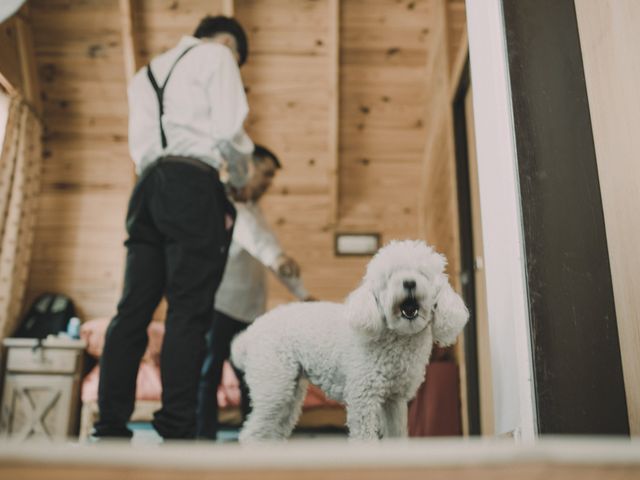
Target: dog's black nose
[409,284]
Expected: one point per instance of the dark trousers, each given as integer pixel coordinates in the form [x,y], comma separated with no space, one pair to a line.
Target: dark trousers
[177,246]
[223,329]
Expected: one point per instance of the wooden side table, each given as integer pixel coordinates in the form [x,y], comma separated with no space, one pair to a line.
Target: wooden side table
[42,388]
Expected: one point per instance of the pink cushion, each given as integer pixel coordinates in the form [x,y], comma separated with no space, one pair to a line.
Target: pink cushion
[93,333]
[148,385]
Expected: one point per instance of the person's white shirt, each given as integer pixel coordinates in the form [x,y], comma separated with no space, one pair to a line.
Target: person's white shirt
[242,294]
[205,107]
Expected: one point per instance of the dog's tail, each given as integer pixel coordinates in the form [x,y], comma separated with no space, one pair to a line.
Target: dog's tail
[239,350]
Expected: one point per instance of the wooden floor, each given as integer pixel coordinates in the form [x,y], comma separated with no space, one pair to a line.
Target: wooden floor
[412,459]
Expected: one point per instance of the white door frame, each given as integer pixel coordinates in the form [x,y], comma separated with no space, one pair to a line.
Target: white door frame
[501,216]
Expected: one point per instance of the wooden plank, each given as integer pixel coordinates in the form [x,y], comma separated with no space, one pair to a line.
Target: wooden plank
[364,37]
[369,77]
[335,460]
[6,85]
[383,14]
[485,384]
[73,274]
[129,42]
[383,96]
[10,70]
[438,204]
[457,67]
[228,8]
[101,239]
[385,140]
[287,81]
[393,57]
[456,30]
[334,111]
[523,472]
[162,23]
[30,83]
[280,16]
[104,69]
[608,35]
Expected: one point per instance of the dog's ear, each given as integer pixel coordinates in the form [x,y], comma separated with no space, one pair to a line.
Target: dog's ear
[363,312]
[450,316]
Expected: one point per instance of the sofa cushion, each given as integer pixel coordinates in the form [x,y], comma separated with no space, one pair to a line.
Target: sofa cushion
[148,385]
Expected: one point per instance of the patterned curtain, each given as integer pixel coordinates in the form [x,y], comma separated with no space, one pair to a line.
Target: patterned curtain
[20,164]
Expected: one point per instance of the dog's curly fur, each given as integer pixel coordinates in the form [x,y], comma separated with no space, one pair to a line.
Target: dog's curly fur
[369,353]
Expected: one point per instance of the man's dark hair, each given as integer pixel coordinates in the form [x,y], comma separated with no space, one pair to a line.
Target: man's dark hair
[211,26]
[261,152]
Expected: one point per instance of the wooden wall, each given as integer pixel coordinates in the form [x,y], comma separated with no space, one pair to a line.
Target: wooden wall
[159,24]
[87,174]
[383,104]
[393,173]
[17,59]
[289,84]
[438,201]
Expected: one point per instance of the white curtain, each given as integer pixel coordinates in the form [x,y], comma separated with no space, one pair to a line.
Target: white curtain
[20,165]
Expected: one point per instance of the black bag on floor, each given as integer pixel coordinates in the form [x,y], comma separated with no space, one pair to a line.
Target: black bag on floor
[49,314]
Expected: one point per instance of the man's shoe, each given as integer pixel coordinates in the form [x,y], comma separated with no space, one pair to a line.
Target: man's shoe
[109,433]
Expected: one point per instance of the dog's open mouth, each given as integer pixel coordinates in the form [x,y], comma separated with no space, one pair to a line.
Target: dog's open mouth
[409,308]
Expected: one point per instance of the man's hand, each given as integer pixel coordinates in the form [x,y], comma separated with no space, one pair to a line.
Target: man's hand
[287,266]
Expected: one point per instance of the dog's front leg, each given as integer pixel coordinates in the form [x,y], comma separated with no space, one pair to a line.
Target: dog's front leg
[364,420]
[396,417]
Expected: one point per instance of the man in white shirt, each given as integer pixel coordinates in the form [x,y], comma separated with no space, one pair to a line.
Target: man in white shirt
[241,297]
[186,116]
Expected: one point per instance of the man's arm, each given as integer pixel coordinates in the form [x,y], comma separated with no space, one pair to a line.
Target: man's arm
[291,281]
[253,233]
[229,109]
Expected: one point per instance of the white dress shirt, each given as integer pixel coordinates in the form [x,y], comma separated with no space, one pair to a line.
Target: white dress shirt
[204,109]
[242,295]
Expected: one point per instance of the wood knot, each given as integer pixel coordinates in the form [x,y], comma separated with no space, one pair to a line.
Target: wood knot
[96,50]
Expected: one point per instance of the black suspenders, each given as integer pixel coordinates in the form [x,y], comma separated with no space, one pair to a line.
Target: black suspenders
[160,92]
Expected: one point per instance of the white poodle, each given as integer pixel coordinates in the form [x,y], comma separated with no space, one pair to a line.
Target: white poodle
[370,353]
